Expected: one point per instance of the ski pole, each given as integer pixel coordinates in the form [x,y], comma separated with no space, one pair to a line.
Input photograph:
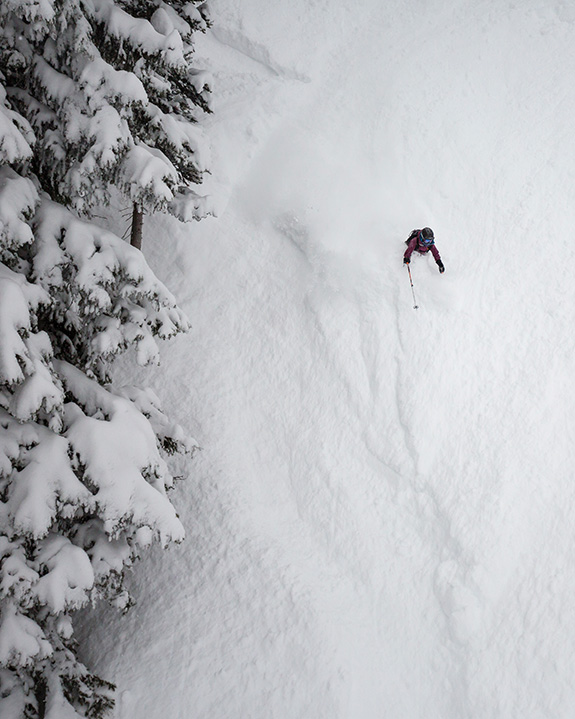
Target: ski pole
[415,305]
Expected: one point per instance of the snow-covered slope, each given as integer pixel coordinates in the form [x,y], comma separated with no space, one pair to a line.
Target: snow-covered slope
[381,521]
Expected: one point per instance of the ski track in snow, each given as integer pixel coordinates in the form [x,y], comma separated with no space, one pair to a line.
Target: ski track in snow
[381,520]
[257,53]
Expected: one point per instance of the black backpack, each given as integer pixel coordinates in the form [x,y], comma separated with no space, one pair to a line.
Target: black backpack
[412,234]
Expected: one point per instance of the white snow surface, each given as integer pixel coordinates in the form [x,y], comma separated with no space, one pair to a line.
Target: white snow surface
[380,523]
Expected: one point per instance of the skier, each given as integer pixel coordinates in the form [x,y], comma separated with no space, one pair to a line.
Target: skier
[422,241]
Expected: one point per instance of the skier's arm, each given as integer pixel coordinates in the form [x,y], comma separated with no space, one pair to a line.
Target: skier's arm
[410,247]
[437,256]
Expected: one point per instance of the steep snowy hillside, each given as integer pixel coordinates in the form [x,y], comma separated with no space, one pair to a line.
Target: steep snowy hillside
[381,521]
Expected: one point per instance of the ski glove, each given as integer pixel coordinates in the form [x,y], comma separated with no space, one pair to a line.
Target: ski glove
[441,267]
[406,260]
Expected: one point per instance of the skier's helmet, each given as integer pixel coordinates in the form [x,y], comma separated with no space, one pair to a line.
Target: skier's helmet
[426,236]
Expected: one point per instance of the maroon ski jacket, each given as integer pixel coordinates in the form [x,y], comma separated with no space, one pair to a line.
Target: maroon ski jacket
[415,245]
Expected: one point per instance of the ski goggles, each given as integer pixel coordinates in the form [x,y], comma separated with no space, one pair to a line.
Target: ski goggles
[426,240]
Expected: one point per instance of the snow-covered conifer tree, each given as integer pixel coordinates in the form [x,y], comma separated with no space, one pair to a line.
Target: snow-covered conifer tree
[110,92]
[83,464]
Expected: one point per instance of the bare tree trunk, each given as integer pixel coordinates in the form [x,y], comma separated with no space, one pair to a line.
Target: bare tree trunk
[40,690]
[137,227]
